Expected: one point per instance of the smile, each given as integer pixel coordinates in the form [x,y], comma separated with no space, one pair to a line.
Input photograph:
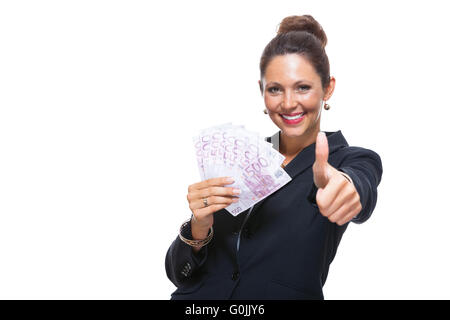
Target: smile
[293,118]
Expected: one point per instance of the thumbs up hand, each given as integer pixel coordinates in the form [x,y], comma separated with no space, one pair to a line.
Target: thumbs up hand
[336,197]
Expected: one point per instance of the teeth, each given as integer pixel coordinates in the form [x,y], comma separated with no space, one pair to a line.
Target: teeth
[293,118]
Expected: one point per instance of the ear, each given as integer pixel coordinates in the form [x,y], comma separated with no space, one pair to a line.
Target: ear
[260,87]
[330,89]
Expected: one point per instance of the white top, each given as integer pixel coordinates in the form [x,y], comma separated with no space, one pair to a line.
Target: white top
[275,140]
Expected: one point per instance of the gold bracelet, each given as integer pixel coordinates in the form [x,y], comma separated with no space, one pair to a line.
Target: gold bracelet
[195,243]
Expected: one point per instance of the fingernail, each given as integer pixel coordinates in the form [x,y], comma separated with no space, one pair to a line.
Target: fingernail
[236,191]
[235,200]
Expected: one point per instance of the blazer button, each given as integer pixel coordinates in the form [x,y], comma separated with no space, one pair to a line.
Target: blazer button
[235,276]
[186,271]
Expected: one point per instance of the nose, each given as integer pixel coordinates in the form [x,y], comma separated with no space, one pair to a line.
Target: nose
[289,102]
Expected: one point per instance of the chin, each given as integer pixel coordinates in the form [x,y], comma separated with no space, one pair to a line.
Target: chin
[293,132]
[293,129]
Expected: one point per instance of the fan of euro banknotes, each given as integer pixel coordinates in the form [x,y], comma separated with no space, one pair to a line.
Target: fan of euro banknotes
[229,150]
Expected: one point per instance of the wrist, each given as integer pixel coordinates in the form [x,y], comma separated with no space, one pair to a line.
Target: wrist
[199,231]
[192,237]
[346,176]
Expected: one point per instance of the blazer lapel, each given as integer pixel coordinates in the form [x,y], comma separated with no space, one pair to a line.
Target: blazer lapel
[305,158]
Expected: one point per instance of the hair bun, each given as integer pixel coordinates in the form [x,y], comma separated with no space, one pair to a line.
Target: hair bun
[303,23]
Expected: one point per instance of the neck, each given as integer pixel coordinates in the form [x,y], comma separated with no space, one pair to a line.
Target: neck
[291,146]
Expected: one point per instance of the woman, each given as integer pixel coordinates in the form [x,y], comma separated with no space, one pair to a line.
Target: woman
[282,247]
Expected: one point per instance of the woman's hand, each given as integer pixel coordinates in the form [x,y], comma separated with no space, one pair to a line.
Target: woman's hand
[336,197]
[217,196]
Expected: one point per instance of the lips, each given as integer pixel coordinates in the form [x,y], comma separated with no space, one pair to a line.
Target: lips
[292,116]
[293,120]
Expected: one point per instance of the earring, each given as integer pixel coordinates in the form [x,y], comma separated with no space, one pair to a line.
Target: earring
[265,111]
[326,106]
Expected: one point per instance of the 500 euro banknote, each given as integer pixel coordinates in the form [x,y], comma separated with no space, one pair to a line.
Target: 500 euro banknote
[228,150]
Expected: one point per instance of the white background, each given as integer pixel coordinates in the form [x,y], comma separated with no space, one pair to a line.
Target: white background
[99,101]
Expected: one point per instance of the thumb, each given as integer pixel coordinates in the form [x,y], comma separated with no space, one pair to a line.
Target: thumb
[320,167]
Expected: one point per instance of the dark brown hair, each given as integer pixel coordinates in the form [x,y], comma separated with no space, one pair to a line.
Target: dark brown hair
[302,35]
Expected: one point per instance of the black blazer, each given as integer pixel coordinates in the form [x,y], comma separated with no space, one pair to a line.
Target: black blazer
[283,249]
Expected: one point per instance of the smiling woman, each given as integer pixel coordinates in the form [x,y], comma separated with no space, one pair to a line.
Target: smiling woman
[295,80]
[282,247]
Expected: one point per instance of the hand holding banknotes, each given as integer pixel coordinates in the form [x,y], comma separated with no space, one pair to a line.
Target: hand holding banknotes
[205,198]
[336,197]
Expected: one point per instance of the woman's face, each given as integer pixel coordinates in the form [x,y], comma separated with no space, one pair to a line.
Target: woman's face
[292,88]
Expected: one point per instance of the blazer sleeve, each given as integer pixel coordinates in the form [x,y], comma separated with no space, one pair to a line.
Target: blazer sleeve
[365,168]
[181,261]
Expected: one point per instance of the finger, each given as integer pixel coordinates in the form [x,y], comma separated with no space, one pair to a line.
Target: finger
[320,166]
[220,181]
[198,204]
[346,212]
[353,213]
[203,212]
[326,196]
[214,191]
[345,194]
[341,212]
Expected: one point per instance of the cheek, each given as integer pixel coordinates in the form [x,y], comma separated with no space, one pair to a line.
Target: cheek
[271,102]
[311,102]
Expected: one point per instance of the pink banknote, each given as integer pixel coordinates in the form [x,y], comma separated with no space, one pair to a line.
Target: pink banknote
[229,150]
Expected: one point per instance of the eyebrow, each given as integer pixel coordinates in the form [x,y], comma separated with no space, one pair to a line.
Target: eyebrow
[299,81]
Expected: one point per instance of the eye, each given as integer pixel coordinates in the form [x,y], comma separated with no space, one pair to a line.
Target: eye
[304,87]
[270,90]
